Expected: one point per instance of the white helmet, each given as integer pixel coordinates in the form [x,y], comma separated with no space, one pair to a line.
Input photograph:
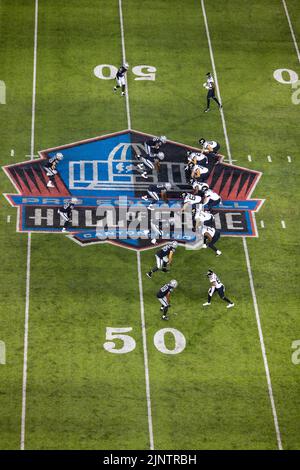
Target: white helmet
[160,155]
[168,186]
[74,200]
[126,65]
[163,139]
[174,244]
[174,283]
[59,156]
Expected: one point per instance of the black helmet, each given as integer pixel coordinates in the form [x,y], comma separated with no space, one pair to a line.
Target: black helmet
[201,141]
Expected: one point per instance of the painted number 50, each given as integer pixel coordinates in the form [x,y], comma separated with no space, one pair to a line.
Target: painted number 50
[128,343]
[108,72]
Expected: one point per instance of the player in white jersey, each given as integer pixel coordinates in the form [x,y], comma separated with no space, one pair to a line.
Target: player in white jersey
[210,86]
[210,236]
[199,187]
[216,285]
[196,205]
[210,145]
[197,158]
[212,198]
[205,218]
[199,172]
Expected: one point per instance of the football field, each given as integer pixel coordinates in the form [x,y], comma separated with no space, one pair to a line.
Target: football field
[215,378]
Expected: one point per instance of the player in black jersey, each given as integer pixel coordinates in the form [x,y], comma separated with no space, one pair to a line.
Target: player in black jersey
[154,155]
[120,78]
[66,213]
[163,295]
[163,258]
[155,192]
[50,168]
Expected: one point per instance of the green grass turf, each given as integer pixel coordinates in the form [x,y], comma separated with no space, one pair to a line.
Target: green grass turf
[214,394]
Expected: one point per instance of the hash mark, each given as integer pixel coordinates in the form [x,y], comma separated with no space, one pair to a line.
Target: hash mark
[289,159]
[12,153]
[262,224]
[269,158]
[283,224]
[8,219]
[249,158]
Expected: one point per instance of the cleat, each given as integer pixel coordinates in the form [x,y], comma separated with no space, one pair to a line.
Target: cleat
[144,175]
[153,241]
[145,198]
[50,184]
[115,89]
[221,106]
[161,308]
[165,317]
[206,304]
[206,110]
[123,93]
[64,229]
[218,253]
[149,274]
[230,305]
[150,208]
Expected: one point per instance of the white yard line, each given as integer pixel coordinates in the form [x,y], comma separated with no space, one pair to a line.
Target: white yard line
[255,304]
[124,60]
[145,352]
[24,385]
[291,29]
[216,81]
[143,324]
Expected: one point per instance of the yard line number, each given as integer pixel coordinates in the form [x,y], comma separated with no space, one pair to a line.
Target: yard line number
[296,353]
[108,72]
[2,353]
[128,343]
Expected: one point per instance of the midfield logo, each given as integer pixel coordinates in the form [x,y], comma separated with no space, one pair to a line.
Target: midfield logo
[101,174]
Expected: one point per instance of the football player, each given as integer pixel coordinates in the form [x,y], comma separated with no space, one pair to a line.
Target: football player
[210,236]
[163,258]
[205,218]
[163,295]
[66,213]
[210,86]
[196,157]
[199,187]
[199,173]
[216,285]
[155,192]
[211,198]
[120,78]
[209,145]
[154,155]
[50,168]
[196,202]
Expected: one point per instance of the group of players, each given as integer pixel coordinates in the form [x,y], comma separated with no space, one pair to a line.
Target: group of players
[201,198]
